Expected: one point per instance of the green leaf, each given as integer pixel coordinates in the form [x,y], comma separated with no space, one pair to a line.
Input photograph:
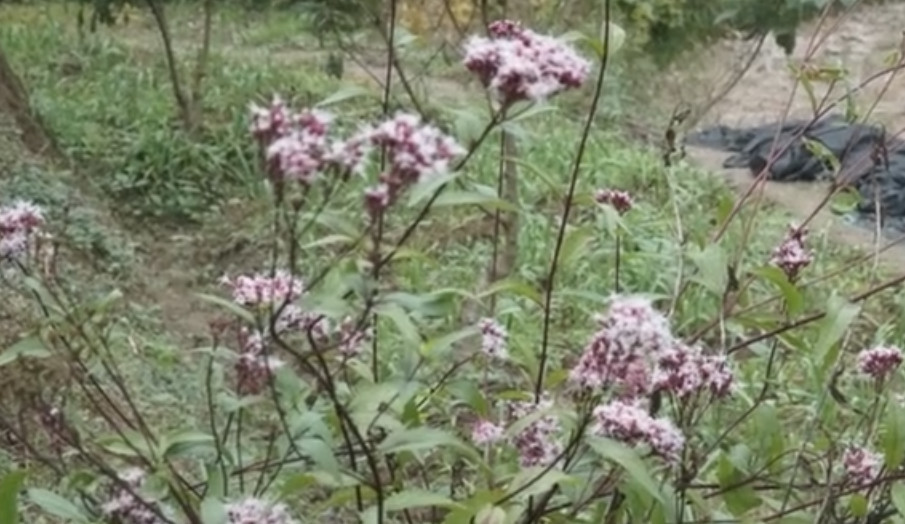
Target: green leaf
[893,436]
[575,244]
[793,298]
[532,481]
[213,511]
[30,347]
[320,452]
[858,504]
[517,286]
[712,273]
[467,198]
[421,190]
[616,39]
[491,515]
[438,346]
[415,498]
[346,93]
[421,438]
[897,494]
[228,305]
[10,485]
[839,316]
[531,111]
[55,505]
[402,320]
[630,462]
[845,201]
[216,483]
[186,443]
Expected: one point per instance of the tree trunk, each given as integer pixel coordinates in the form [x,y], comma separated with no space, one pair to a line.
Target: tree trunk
[15,107]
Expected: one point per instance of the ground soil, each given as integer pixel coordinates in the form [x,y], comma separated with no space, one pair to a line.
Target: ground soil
[862,42]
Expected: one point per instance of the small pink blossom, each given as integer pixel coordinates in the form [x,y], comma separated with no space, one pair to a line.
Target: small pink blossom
[516,63]
[264,290]
[629,423]
[621,201]
[684,370]
[879,362]
[537,444]
[123,506]
[861,465]
[485,432]
[625,348]
[253,372]
[377,199]
[271,122]
[493,339]
[20,224]
[792,255]
[257,511]
[352,339]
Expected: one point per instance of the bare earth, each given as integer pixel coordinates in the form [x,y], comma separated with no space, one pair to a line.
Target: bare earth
[863,42]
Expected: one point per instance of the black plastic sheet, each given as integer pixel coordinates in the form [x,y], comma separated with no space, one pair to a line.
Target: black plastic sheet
[869,161]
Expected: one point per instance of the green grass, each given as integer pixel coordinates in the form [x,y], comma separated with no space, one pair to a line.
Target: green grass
[114,116]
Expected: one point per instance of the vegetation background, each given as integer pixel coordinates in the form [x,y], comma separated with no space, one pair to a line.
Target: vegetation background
[129,124]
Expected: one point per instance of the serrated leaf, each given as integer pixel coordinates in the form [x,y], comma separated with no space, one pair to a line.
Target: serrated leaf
[10,484]
[415,498]
[56,505]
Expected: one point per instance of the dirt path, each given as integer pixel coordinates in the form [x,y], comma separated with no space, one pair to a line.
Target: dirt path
[861,42]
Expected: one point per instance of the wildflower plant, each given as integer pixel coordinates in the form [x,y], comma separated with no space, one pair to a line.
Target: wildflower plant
[333,395]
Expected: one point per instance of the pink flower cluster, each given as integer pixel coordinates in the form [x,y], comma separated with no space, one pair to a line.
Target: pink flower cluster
[683,370]
[257,511]
[254,369]
[516,63]
[278,294]
[19,223]
[880,361]
[861,465]
[493,338]
[298,147]
[297,144]
[537,444]
[792,255]
[260,290]
[635,351]
[628,422]
[621,201]
[123,506]
[415,150]
[485,432]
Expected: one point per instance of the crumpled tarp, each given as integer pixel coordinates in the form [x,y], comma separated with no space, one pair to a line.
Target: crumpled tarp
[869,161]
